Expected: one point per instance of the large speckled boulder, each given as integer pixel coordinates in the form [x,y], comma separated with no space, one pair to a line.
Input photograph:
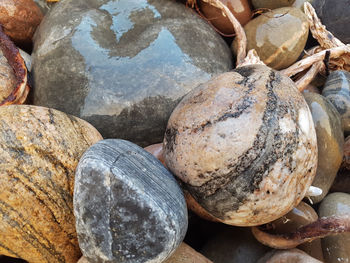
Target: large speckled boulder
[124,65]
[244,145]
[128,206]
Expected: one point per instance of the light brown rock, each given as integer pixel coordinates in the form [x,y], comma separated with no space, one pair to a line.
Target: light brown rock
[244,145]
[39,151]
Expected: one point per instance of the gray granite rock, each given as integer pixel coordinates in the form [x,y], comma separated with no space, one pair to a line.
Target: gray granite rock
[335,16]
[128,206]
[124,65]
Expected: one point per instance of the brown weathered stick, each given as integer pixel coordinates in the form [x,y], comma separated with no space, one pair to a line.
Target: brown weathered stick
[309,76]
[251,58]
[318,30]
[307,62]
[240,34]
[321,228]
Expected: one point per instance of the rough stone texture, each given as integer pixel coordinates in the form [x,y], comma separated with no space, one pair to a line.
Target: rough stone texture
[128,206]
[234,245]
[39,151]
[337,91]
[124,65]
[278,36]
[244,144]
[336,249]
[335,16]
[183,254]
[299,216]
[330,142]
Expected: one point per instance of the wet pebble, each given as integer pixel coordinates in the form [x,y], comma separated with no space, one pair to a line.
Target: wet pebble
[124,65]
[330,141]
[239,8]
[336,249]
[128,206]
[337,91]
[278,36]
[273,4]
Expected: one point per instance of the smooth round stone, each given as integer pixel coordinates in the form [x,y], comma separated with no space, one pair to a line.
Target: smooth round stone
[337,91]
[335,16]
[299,216]
[244,144]
[234,245]
[128,206]
[239,8]
[124,65]
[293,255]
[278,36]
[336,248]
[272,4]
[330,142]
[39,152]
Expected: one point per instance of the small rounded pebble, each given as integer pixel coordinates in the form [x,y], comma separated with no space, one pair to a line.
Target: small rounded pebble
[128,206]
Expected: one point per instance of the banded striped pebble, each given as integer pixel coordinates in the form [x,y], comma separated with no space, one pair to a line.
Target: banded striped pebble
[337,90]
[39,151]
[128,206]
[244,144]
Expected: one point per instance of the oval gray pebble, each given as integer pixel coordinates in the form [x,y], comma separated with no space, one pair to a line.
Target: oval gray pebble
[128,206]
[337,91]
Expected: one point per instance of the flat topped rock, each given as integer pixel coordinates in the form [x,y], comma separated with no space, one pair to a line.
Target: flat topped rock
[124,65]
[128,206]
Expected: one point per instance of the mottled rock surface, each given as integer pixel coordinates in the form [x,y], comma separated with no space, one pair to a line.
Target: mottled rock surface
[128,206]
[244,144]
[335,16]
[39,151]
[336,249]
[124,65]
[278,36]
[330,142]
